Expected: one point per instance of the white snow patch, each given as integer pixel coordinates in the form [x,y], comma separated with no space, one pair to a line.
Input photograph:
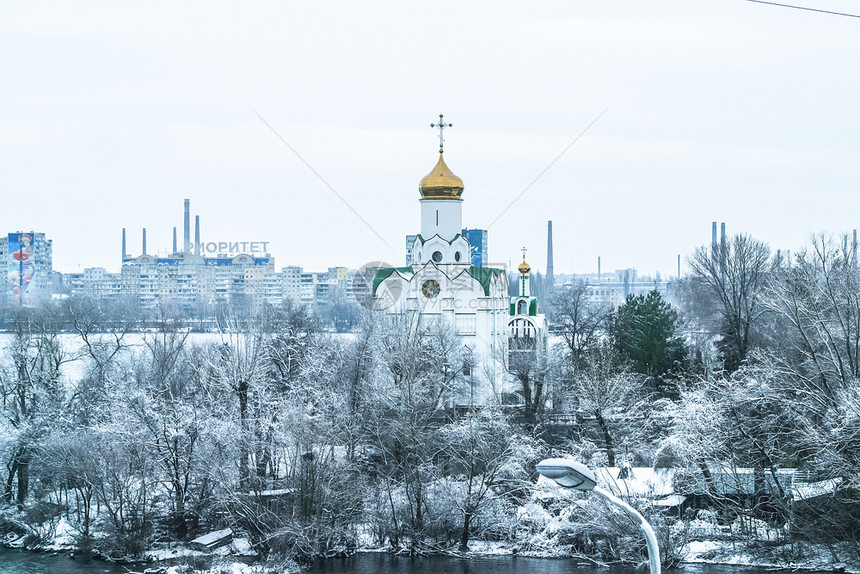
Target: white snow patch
[64,536]
[640,482]
[813,557]
[159,554]
[241,547]
[802,490]
[490,548]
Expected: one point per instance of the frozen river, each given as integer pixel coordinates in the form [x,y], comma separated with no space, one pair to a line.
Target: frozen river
[72,344]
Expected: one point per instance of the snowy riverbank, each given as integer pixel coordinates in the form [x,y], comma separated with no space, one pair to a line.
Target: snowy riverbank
[698,541]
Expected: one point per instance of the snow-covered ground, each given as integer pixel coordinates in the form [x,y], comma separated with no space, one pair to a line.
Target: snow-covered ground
[745,542]
[795,557]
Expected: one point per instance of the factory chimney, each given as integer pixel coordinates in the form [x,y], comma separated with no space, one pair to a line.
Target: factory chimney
[174,239]
[196,235]
[713,240]
[723,248]
[144,240]
[124,252]
[854,248]
[186,237]
[550,280]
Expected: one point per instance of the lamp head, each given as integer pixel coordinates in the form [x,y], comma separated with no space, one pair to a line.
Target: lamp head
[568,473]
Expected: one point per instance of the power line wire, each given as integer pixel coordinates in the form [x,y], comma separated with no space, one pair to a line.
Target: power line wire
[321,178]
[552,163]
[806,8]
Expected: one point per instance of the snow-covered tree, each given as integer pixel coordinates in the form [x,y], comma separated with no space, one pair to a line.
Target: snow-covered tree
[734,275]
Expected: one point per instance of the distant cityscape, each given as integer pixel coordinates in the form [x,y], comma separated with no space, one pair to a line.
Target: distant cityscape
[196,277]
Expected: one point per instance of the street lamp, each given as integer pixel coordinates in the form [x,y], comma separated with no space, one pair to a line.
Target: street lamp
[571,474]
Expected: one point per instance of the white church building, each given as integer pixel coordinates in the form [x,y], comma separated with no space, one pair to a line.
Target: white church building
[442,285]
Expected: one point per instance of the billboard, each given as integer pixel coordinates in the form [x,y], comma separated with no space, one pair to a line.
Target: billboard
[21,267]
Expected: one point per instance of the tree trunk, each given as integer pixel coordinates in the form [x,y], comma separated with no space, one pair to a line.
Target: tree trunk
[244,447]
[538,398]
[464,536]
[607,438]
[709,480]
[419,517]
[13,469]
[179,520]
[527,397]
[264,457]
[23,477]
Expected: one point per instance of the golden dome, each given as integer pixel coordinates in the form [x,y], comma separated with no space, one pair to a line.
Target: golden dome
[524,267]
[441,183]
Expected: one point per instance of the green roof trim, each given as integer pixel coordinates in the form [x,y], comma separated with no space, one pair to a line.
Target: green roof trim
[533,307]
[386,272]
[423,241]
[484,275]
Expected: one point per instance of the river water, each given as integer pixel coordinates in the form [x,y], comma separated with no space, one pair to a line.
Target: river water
[387,564]
[22,562]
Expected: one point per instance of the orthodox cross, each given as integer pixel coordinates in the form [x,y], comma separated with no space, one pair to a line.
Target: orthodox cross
[524,253]
[441,125]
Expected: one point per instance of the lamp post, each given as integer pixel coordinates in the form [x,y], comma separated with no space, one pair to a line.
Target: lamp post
[571,474]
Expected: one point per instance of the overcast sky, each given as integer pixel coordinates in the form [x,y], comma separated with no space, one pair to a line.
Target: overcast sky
[111,113]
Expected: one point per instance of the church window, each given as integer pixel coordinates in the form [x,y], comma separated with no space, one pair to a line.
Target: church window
[522,307]
[430,288]
[437,256]
[437,217]
[457,256]
[466,354]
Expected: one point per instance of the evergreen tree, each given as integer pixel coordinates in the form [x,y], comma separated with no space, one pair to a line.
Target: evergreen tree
[645,331]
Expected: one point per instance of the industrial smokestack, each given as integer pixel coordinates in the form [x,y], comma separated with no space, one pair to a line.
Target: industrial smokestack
[174,239]
[723,248]
[124,252]
[854,247]
[550,281]
[187,229]
[144,240]
[713,240]
[197,235]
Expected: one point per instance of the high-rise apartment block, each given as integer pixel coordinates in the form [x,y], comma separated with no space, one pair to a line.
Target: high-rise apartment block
[26,264]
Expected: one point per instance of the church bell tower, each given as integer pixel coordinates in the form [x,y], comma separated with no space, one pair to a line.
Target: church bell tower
[441,241]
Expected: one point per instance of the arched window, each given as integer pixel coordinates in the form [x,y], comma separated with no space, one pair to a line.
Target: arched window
[522,307]
[466,355]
